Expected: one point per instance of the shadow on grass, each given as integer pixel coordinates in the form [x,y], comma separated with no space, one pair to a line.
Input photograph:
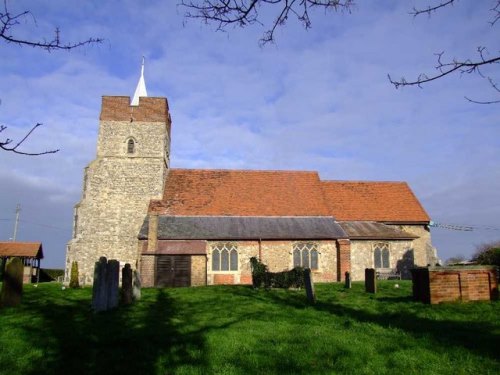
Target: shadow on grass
[481,338]
[139,339]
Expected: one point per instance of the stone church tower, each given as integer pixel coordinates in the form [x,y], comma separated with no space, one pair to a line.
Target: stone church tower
[130,168]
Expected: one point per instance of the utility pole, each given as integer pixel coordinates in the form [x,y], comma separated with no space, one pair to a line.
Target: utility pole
[18,210]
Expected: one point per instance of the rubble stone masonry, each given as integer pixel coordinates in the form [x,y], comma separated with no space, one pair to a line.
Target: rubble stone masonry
[118,184]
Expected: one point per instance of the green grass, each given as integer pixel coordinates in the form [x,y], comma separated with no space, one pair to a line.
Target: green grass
[238,330]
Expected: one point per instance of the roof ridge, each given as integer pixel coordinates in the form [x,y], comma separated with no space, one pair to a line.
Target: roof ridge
[245,170]
[366,181]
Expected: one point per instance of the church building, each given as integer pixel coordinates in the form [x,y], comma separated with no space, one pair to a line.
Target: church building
[189,227]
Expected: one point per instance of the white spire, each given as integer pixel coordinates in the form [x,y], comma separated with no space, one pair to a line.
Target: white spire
[141,87]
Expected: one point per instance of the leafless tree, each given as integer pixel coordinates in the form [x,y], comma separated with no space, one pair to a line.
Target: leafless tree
[9,145]
[224,13]
[457,65]
[246,12]
[8,23]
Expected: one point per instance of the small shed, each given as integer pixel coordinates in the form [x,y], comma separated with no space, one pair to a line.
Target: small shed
[31,253]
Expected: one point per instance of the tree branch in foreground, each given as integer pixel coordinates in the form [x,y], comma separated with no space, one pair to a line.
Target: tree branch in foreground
[4,145]
[9,21]
[246,12]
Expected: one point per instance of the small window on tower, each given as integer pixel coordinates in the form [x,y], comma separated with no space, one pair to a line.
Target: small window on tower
[130,146]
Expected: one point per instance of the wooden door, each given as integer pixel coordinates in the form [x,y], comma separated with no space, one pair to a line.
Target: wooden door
[173,270]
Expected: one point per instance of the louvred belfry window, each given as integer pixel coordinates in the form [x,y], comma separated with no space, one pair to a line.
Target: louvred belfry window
[225,257]
[130,146]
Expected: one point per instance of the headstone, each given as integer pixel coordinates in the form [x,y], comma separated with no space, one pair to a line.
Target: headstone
[99,289]
[112,283]
[127,284]
[370,280]
[348,280]
[136,286]
[309,285]
[12,287]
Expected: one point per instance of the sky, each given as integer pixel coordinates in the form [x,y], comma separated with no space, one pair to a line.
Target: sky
[317,99]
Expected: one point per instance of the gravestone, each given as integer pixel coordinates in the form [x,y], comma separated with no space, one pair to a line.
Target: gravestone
[136,286]
[127,284]
[12,287]
[309,285]
[348,280]
[370,280]
[99,289]
[112,283]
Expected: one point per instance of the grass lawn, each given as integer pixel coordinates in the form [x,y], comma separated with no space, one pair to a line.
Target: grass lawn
[238,330]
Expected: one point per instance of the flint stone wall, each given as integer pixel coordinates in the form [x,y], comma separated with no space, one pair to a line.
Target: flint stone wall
[117,188]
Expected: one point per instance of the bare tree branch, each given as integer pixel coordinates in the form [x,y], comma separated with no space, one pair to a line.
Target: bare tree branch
[246,12]
[4,145]
[416,12]
[455,65]
[9,21]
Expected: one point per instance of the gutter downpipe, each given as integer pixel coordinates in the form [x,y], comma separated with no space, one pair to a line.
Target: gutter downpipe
[260,249]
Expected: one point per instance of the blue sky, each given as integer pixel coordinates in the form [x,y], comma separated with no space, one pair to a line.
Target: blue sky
[316,100]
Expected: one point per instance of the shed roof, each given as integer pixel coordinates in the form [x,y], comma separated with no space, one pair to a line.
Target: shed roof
[199,192]
[244,228]
[370,230]
[21,249]
[373,201]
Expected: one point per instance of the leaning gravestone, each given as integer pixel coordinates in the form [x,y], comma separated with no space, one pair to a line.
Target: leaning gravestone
[309,285]
[99,289]
[370,280]
[136,286]
[12,287]
[127,284]
[112,281]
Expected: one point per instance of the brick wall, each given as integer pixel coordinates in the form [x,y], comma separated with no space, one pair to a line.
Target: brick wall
[118,108]
[343,258]
[445,284]
[222,279]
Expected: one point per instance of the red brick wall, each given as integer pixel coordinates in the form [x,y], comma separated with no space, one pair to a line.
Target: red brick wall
[223,279]
[118,108]
[343,258]
[246,279]
[444,284]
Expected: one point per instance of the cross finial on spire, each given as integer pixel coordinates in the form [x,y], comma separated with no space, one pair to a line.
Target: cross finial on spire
[141,87]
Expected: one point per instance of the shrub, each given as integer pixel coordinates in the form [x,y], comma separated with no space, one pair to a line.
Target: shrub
[73,279]
[285,279]
[490,256]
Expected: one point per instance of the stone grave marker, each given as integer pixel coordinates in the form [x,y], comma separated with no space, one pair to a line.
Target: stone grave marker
[12,287]
[136,286]
[348,280]
[99,289]
[309,285]
[370,280]
[127,284]
[113,281]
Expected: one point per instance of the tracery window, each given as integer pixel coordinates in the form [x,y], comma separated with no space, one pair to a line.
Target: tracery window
[224,257]
[130,146]
[381,255]
[305,254]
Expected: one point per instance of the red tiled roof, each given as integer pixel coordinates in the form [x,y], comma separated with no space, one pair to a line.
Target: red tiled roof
[200,192]
[21,249]
[375,201]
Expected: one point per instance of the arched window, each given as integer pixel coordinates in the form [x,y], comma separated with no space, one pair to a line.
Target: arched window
[224,257]
[381,255]
[130,146]
[305,254]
